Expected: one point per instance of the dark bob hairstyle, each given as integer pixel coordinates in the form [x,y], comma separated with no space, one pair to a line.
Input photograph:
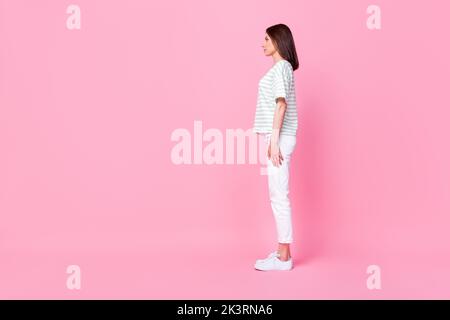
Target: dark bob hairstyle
[283,41]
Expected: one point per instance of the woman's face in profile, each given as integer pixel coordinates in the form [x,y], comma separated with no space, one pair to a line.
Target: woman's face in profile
[269,48]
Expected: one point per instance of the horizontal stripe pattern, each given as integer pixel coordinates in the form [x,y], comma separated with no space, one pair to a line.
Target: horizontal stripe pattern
[279,81]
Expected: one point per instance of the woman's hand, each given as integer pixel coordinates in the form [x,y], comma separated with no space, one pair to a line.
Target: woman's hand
[274,153]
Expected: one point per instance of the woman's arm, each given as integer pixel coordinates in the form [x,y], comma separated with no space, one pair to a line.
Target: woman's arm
[274,149]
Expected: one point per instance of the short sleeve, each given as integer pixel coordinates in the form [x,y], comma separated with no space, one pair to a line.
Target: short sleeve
[281,81]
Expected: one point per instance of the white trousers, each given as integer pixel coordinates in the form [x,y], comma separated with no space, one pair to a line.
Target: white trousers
[278,179]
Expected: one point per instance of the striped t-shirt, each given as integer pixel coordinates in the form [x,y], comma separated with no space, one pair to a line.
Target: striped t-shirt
[277,82]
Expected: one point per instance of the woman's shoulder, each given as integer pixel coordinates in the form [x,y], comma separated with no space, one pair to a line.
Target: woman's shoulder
[280,67]
[283,66]
[287,65]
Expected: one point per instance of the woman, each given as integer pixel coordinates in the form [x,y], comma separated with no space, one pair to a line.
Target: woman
[276,120]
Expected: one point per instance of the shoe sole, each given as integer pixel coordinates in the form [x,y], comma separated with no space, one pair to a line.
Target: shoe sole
[274,269]
[288,269]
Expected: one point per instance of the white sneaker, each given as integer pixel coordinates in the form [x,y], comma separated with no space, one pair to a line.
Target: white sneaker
[271,255]
[273,263]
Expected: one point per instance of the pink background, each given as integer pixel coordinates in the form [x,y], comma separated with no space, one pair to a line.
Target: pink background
[86,176]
